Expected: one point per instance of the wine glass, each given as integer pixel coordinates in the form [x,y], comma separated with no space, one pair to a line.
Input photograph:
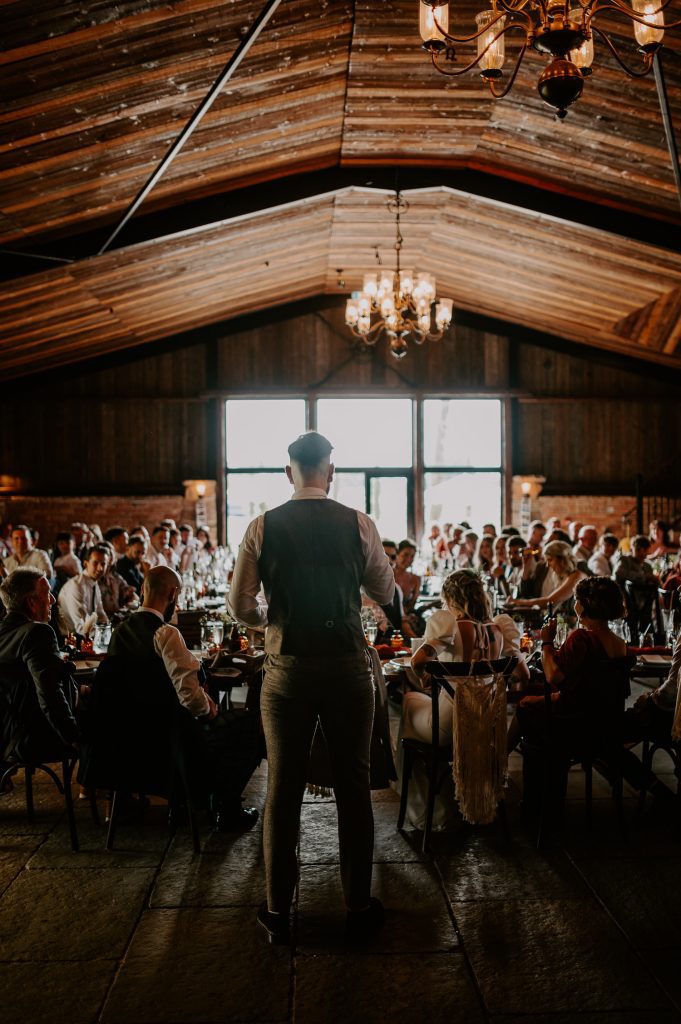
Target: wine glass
[217,632]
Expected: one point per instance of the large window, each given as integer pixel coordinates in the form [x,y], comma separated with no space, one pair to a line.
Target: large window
[462,461]
[374,446]
[257,434]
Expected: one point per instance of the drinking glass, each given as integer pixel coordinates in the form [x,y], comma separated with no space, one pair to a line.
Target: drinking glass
[217,631]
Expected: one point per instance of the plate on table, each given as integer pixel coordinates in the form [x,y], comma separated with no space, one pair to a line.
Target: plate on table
[655,659]
[86,666]
[404,661]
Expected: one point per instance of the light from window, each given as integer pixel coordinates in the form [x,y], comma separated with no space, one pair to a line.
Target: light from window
[462,432]
[367,431]
[248,496]
[457,497]
[259,431]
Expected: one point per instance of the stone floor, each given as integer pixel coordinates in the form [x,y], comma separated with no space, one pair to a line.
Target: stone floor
[489,930]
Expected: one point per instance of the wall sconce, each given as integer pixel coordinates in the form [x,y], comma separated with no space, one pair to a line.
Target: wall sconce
[526,488]
[201,491]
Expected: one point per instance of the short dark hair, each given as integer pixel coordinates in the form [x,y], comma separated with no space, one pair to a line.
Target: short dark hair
[185,526]
[388,543]
[600,598]
[516,541]
[21,526]
[310,449]
[101,548]
[610,538]
[406,543]
[563,535]
[510,531]
[114,531]
[159,529]
[19,586]
[136,538]
[64,535]
[640,541]
[536,523]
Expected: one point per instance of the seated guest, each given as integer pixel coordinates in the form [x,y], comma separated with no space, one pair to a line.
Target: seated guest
[129,567]
[558,534]
[117,537]
[519,565]
[231,739]
[652,718]
[408,582]
[205,544]
[499,567]
[24,554]
[81,539]
[601,562]
[489,530]
[553,582]
[574,526]
[535,536]
[395,611]
[434,544]
[117,594]
[574,671]
[158,552]
[483,560]
[190,546]
[671,579]
[509,530]
[475,637]
[64,559]
[634,568]
[79,606]
[586,545]
[660,540]
[36,691]
[465,558]
[553,523]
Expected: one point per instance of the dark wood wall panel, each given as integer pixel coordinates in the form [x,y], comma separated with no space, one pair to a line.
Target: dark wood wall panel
[145,423]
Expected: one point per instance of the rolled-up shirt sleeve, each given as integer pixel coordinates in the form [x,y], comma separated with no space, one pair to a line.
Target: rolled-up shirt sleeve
[244,600]
[183,669]
[378,581]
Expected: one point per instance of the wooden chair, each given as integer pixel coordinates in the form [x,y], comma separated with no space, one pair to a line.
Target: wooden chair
[63,785]
[138,738]
[437,759]
[593,739]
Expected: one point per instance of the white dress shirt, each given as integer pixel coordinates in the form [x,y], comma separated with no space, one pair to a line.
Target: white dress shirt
[78,599]
[36,559]
[181,666]
[248,605]
[600,565]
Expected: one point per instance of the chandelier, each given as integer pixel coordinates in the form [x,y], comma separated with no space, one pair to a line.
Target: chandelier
[396,303]
[563,29]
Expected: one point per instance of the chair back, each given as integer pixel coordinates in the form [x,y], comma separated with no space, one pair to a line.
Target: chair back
[135,731]
[643,608]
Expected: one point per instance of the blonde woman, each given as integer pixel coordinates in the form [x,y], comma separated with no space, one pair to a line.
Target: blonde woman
[554,580]
[472,635]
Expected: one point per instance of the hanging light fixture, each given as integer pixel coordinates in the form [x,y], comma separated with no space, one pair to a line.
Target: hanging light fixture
[397,303]
[562,29]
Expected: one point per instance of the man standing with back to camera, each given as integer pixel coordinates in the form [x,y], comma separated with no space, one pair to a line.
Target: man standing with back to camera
[312,556]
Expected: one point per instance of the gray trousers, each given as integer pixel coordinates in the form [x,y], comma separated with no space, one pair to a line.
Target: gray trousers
[296,692]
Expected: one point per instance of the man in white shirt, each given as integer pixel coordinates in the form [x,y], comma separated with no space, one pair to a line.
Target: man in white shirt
[231,739]
[159,551]
[586,546]
[601,562]
[25,555]
[80,598]
[312,556]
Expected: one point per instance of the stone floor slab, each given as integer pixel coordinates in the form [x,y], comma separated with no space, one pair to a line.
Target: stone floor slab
[40,993]
[550,956]
[196,966]
[77,914]
[231,878]
[434,988]
[649,914]
[135,845]
[417,916]
[319,835]
[14,853]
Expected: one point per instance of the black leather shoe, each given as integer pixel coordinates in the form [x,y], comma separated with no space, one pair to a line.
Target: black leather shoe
[236,821]
[277,926]
[362,924]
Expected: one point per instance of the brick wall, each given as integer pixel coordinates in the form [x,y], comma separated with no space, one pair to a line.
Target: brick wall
[605,512]
[50,515]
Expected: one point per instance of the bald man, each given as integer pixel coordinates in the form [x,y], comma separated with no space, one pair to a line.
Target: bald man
[232,737]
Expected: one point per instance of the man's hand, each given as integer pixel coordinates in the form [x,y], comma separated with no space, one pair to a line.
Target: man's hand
[212,709]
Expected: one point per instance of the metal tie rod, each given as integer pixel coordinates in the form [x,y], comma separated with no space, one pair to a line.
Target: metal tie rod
[196,118]
[667,119]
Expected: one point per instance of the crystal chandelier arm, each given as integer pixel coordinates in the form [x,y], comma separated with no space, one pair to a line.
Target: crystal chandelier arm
[509,84]
[647,60]
[462,71]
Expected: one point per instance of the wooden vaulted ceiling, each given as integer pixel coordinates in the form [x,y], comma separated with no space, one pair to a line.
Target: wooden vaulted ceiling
[93,94]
